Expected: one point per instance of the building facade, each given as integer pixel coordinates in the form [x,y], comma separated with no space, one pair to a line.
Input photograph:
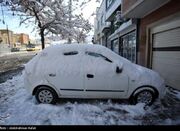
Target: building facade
[24,39]
[159,36]
[9,40]
[7,37]
[100,37]
[21,40]
[113,31]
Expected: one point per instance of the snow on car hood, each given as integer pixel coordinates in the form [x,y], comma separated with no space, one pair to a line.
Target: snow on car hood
[143,76]
[146,76]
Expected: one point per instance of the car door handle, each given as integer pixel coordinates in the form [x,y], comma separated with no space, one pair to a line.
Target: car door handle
[90,76]
[52,75]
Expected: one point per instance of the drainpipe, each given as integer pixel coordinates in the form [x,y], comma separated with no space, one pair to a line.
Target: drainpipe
[137,38]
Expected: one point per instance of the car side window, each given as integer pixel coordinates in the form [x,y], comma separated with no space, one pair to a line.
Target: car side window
[70,53]
[93,54]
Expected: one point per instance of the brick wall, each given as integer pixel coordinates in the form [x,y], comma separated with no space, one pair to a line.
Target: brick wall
[24,39]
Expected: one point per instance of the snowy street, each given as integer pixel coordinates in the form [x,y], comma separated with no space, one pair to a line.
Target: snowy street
[18,107]
[12,63]
[14,60]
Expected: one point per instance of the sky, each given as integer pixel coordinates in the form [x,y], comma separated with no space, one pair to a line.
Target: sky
[13,21]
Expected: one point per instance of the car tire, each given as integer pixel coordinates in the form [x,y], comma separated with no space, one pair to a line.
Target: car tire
[145,96]
[46,95]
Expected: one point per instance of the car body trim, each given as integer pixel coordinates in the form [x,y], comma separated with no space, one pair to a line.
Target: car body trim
[72,89]
[106,90]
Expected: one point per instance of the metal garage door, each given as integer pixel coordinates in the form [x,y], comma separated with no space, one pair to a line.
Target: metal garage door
[166,53]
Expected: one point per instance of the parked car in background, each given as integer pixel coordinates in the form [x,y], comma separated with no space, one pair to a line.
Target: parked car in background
[89,71]
[31,47]
[15,49]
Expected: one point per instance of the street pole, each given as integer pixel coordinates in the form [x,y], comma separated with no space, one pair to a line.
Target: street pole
[8,35]
[70,26]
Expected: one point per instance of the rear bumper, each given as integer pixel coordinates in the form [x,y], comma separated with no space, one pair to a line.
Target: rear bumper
[27,84]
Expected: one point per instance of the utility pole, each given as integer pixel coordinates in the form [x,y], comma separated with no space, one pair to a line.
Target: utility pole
[8,35]
[70,24]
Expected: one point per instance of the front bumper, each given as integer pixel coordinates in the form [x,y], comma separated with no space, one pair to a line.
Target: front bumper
[162,91]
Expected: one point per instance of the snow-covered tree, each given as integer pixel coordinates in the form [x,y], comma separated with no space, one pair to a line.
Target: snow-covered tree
[55,16]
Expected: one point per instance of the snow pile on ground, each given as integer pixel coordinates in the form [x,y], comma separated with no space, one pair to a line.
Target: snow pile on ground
[18,107]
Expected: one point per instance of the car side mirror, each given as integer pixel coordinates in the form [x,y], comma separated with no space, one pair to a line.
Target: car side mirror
[118,70]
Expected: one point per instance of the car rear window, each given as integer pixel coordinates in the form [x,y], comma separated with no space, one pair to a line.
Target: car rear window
[70,53]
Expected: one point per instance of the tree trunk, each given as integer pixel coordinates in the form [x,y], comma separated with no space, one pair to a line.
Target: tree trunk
[69,41]
[42,38]
[70,20]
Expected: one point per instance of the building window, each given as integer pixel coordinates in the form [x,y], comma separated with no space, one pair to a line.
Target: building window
[102,18]
[109,3]
[98,25]
[128,47]
[113,28]
[115,46]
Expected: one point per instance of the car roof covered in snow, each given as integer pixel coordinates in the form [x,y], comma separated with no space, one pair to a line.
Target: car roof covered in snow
[76,47]
[57,50]
[81,48]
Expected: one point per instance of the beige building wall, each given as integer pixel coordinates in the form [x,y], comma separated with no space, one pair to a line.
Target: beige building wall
[7,37]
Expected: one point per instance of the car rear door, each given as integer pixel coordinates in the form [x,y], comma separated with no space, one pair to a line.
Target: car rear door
[68,77]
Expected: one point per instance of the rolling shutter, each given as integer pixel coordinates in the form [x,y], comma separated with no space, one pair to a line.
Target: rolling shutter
[166,54]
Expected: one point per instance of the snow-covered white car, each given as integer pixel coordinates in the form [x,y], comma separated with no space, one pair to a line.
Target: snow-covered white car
[89,71]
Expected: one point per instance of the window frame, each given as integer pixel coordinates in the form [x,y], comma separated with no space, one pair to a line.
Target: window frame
[129,50]
[113,43]
[109,4]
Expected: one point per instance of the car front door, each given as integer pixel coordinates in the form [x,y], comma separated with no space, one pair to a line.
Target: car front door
[101,79]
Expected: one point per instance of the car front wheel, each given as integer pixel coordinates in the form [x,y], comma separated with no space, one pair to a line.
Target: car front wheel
[146,96]
[46,95]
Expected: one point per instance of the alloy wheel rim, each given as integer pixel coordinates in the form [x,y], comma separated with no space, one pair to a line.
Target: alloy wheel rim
[145,97]
[45,96]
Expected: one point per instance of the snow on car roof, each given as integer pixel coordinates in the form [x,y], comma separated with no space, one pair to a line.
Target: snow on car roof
[50,56]
[75,46]
[56,50]
[53,49]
